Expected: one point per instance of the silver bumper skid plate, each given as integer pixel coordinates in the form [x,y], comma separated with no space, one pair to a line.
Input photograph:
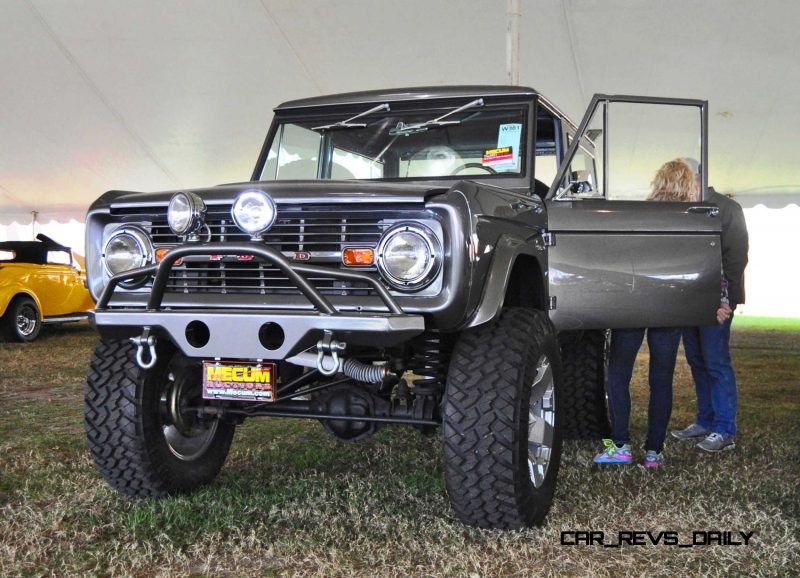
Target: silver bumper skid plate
[238,334]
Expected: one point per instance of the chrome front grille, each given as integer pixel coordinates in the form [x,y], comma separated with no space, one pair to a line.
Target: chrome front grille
[316,234]
[231,276]
[303,230]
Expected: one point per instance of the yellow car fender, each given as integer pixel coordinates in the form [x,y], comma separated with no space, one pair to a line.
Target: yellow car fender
[8,292]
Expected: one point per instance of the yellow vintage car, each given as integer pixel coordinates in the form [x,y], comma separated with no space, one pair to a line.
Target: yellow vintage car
[39,283]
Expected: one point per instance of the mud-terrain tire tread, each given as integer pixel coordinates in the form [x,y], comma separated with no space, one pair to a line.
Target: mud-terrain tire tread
[122,435]
[485,447]
[585,411]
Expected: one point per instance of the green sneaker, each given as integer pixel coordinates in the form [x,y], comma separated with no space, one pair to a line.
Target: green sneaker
[614,454]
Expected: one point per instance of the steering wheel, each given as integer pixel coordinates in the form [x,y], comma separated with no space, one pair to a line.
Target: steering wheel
[489,170]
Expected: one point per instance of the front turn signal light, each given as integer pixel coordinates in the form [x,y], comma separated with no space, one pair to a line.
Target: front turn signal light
[161,252]
[358,256]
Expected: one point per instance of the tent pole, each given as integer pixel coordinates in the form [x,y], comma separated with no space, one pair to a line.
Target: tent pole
[512,41]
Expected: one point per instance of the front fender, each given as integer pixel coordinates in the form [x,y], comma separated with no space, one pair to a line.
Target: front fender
[8,292]
[507,253]
[498,226]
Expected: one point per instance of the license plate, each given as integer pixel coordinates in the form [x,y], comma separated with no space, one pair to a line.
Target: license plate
[239,381]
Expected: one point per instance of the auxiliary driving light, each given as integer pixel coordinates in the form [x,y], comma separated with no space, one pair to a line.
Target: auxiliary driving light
[254,212]
[409,256]
[185,215]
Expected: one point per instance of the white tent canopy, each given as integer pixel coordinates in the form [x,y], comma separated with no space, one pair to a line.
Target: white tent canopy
[167,94]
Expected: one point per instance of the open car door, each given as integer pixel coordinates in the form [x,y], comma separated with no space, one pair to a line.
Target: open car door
[615,258]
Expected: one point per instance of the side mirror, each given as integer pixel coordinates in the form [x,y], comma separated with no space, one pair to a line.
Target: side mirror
[580,187]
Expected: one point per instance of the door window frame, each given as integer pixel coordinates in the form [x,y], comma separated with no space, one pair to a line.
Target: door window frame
[605,100]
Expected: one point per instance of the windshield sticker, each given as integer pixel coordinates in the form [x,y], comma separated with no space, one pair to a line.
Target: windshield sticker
[499,157]
[509,135]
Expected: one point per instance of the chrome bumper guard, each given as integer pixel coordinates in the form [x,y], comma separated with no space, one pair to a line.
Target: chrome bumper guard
[254,333]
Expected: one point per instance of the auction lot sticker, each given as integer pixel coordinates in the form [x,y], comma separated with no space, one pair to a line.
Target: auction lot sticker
[499,157]
[239,381]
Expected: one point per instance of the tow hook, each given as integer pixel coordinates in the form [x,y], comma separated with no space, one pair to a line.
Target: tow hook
[148,341]
[329,345]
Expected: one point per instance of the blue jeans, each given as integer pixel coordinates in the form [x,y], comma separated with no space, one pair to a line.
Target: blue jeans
[709,356]
[625,343]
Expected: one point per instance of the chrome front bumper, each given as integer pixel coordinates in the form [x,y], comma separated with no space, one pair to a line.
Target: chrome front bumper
[236,334]
[253,333]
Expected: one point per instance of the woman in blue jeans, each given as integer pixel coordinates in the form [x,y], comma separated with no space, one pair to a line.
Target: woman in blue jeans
[674,181]
[663,344]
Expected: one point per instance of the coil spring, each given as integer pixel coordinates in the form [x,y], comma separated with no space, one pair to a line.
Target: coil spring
[429,362]
[363,372]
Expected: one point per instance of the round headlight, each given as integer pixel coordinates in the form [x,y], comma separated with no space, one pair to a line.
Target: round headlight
[126,249]
[253,212]
[409,256]
[185,214]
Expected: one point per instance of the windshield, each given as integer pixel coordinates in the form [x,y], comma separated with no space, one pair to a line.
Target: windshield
[379,143]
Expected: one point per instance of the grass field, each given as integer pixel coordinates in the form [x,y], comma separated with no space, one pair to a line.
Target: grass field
[750,322]
[292,501]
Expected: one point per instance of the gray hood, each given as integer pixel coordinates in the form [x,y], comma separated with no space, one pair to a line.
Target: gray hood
[299,192]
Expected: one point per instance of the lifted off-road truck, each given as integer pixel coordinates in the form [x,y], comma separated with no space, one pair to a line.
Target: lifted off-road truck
[448,256]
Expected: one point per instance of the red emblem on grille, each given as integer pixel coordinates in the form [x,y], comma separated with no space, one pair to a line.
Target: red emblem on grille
[302,256]
[238,257]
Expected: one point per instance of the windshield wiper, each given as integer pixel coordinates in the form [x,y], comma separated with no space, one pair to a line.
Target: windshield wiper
[348,124]
[407,129]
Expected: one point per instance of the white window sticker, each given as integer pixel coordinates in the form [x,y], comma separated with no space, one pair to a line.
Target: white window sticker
[509,136]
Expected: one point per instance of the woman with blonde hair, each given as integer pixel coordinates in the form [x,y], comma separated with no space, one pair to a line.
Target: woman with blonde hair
[674,181]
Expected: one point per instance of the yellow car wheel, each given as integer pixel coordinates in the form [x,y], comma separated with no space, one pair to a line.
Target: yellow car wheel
[22,321]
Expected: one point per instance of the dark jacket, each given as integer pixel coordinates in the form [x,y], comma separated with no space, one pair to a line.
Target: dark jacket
[735,244]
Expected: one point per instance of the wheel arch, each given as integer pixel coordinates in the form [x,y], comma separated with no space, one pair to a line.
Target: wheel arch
[516,279]
[10,293]
[525,284]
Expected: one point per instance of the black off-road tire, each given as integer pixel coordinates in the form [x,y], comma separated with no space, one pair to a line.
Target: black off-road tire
[486,418]
[9,326]
[126,426]
[585,409]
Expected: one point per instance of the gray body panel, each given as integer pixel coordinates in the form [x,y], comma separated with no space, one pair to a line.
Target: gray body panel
[301,192]
[632,264]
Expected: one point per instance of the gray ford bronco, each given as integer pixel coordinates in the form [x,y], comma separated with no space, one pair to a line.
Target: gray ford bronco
[447,256]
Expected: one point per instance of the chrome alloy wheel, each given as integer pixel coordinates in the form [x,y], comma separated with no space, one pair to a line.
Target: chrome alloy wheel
[541,421]
[26,320]
[187,436]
